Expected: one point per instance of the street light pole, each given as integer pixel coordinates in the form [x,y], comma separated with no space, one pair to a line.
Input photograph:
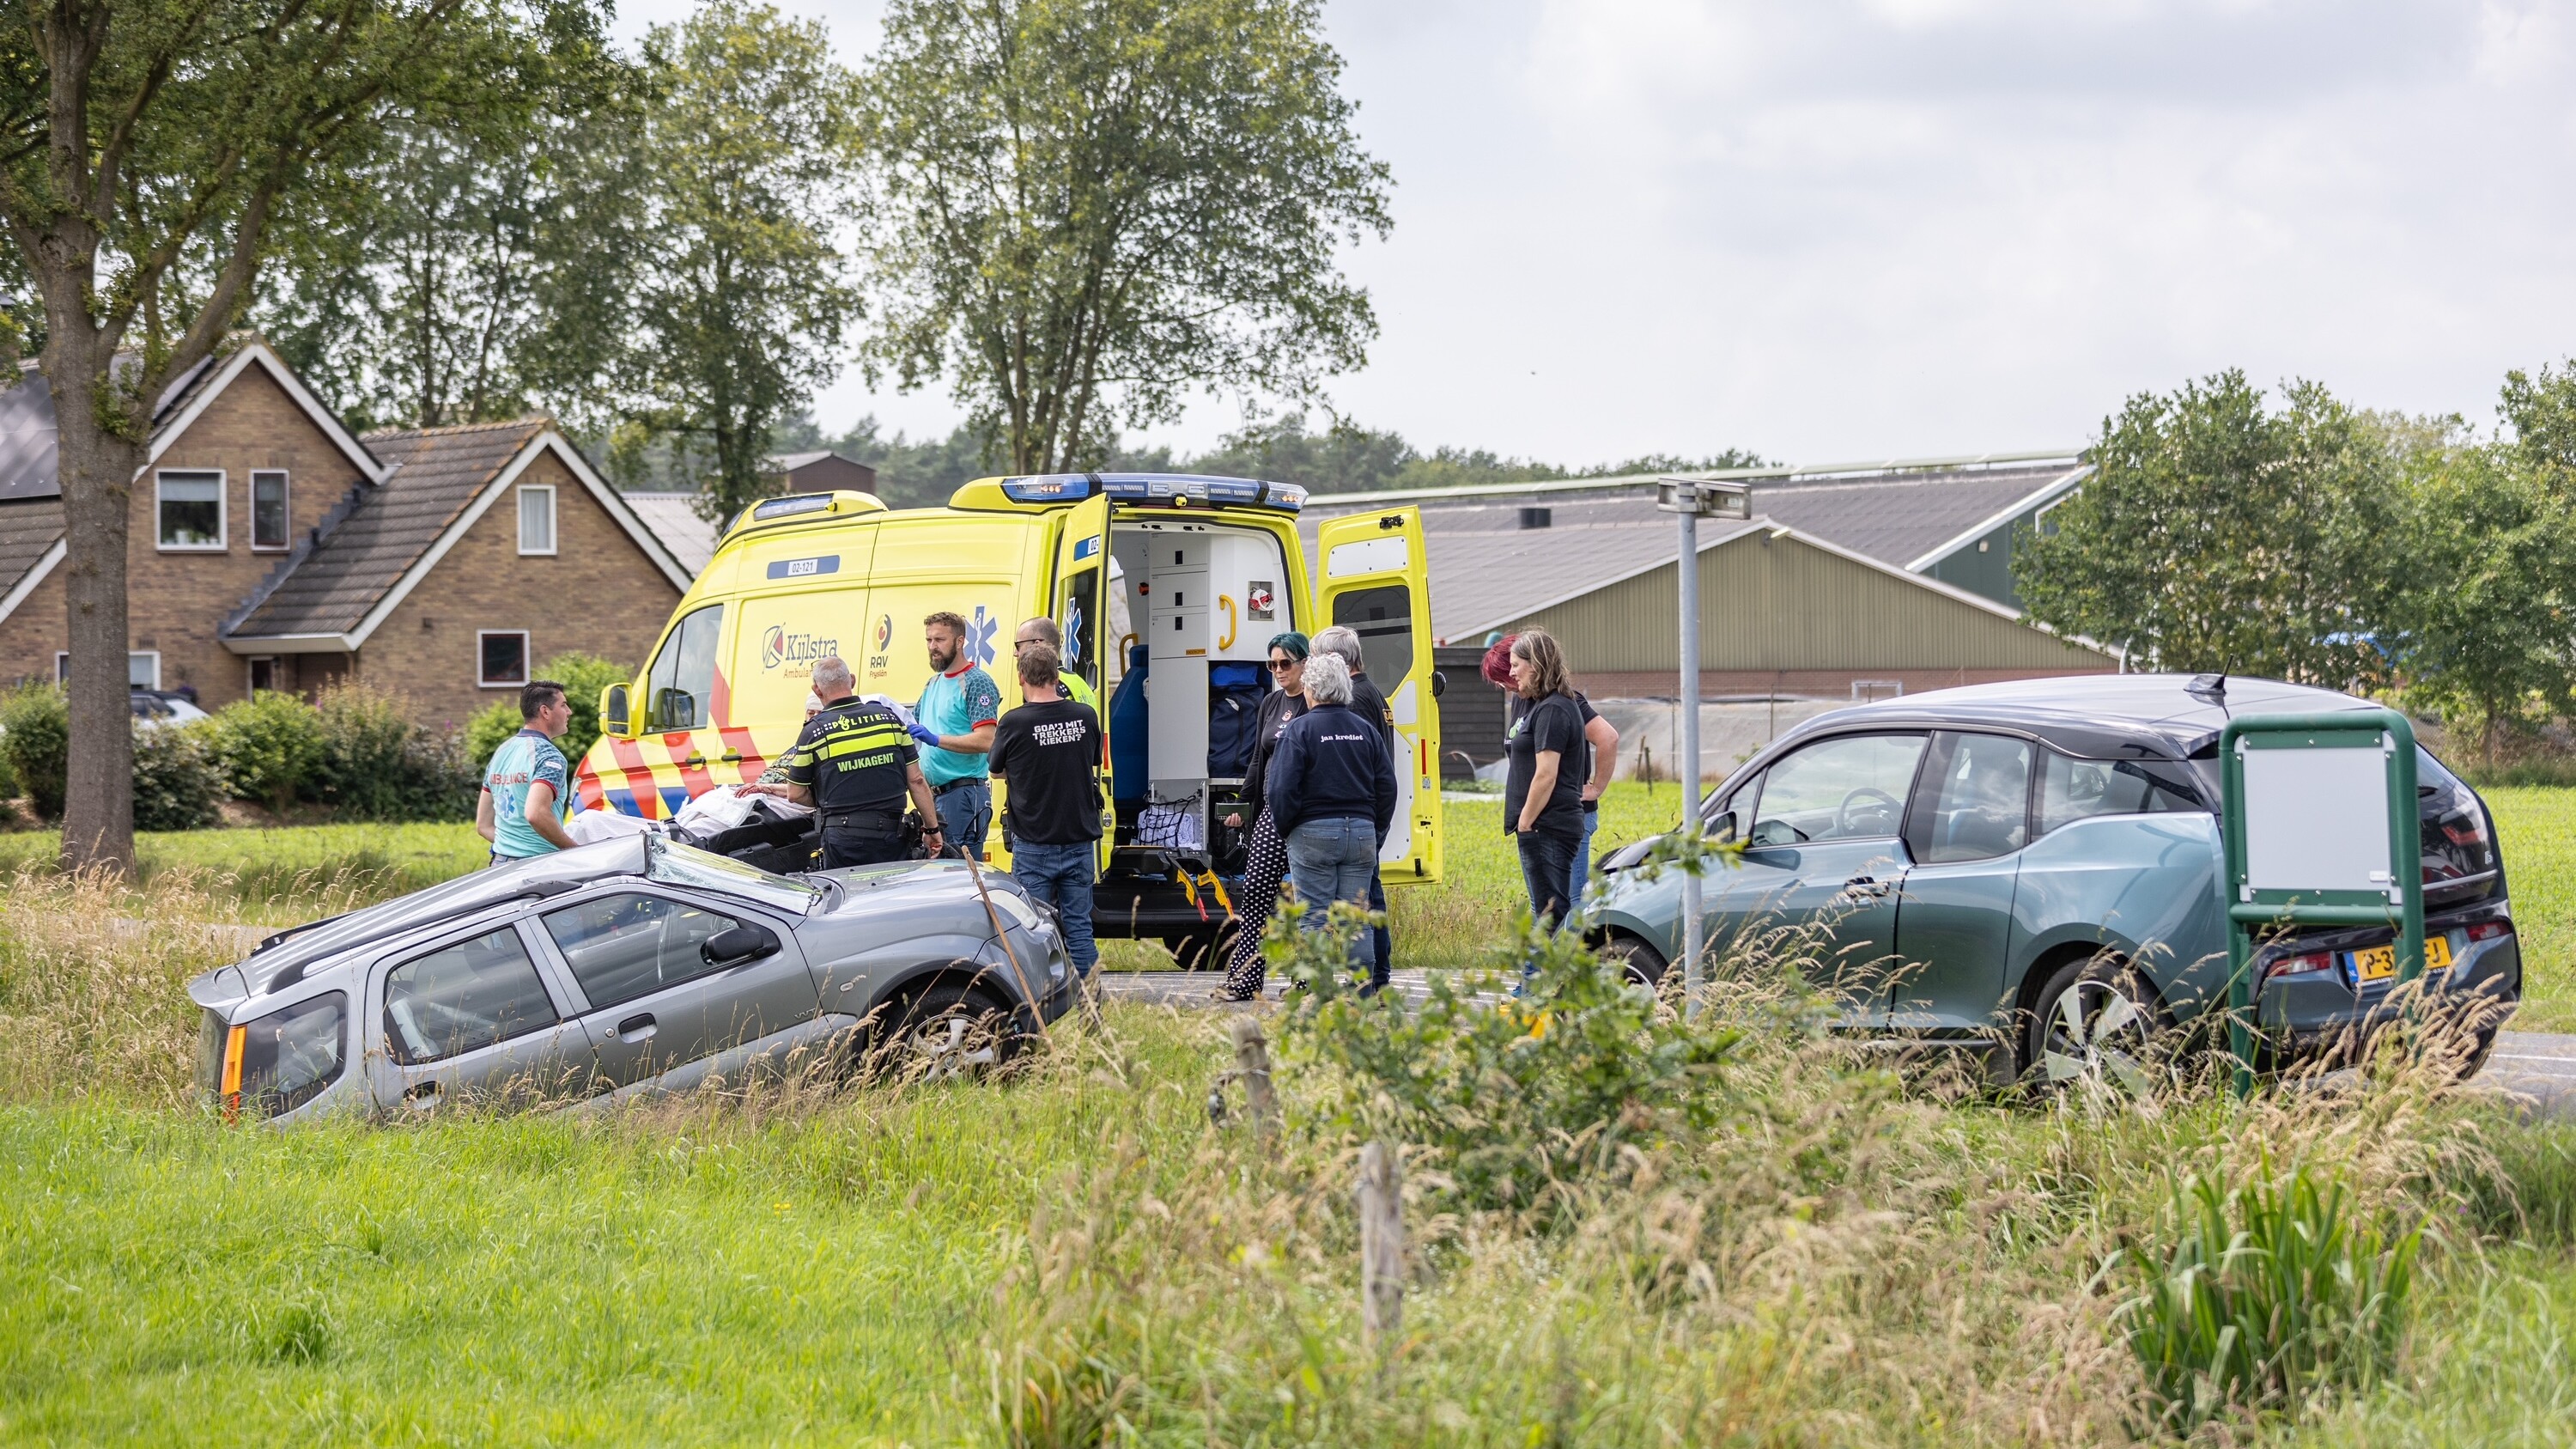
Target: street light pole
[1689,757]
[1694,499]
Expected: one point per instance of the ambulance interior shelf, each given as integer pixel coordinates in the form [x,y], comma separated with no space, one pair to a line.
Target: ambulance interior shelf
[1181,717]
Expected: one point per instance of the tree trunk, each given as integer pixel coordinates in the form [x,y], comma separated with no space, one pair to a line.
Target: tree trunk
[97,468]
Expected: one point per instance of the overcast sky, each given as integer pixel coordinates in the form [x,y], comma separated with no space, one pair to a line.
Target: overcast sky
[1836,229]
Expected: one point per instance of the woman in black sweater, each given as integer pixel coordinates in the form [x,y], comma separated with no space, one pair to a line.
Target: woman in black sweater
[1266,855]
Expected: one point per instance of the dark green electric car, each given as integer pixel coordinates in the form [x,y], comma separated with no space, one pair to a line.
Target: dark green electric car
[2034,865]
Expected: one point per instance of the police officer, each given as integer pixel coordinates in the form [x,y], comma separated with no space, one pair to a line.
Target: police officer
[1042,630]
[854,763]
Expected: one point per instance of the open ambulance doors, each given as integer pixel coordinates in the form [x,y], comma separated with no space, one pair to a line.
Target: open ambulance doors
[1374,576]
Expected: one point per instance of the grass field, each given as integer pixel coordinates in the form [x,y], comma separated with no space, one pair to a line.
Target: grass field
[1853,1259]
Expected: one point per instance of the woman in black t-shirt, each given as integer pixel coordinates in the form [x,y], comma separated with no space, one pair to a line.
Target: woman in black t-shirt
[1265,861]
[1543,790]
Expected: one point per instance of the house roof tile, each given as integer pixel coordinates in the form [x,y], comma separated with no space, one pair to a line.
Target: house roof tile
[339,573]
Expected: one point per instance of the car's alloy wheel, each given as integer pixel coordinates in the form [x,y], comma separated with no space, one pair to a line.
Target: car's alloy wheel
[2095,1027]
[944,1033]
[1643,963]
[952,1047]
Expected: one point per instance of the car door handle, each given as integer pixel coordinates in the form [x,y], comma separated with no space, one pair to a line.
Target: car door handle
[1865,885]
[694,759]
[636,1028]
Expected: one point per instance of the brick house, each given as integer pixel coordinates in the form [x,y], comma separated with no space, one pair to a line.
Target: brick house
[271,549]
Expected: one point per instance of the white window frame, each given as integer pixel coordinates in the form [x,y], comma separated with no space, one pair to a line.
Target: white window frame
[527,665]
[287,510]
[223,511]
[63,667]
[554,520]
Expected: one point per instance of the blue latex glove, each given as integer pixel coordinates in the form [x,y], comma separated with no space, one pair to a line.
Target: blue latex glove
[927,736]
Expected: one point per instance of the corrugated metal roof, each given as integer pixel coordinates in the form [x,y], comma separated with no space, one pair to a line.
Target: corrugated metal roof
[329,583]
[675,520]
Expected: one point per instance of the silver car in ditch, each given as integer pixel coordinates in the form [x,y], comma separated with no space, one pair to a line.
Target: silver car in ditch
[630,966]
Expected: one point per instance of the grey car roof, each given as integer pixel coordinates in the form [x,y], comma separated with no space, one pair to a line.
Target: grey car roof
[2098,716]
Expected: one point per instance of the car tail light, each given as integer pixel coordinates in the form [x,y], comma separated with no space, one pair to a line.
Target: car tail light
[2489,930]
[2311,964]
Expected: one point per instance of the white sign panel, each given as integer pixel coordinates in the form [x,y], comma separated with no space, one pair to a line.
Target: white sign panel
[1382,555]
[2317,820]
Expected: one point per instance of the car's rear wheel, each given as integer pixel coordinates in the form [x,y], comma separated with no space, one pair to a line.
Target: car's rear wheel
[1644,964]
[2095,1022]
[945,1032]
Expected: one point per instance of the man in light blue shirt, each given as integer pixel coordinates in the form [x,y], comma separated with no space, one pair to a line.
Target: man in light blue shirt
[526,780]
[953,721]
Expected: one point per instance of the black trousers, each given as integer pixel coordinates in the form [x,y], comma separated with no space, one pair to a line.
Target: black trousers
[845,846]
[1547,863]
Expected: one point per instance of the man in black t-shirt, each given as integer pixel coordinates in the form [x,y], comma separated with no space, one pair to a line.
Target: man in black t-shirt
[854,762]
[1047,754]
[1543,789]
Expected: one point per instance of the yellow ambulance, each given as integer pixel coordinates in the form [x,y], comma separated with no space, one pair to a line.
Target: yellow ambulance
[1168,589]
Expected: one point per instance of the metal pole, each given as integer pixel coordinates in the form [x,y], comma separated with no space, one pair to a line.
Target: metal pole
[1689,761]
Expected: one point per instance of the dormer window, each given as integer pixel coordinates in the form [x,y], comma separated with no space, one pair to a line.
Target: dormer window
[190,507]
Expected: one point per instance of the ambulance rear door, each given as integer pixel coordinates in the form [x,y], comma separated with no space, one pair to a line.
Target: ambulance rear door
[1079,602]
[1373,576]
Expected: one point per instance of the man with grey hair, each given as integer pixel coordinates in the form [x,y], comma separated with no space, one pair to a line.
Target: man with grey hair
[1042,630]
[855,763]
[1331,792]
[1369,703]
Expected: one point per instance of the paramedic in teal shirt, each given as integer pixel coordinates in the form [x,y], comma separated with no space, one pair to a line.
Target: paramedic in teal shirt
[954,724]
[525,783]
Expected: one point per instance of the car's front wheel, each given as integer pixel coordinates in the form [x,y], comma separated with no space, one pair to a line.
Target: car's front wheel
[2095,1021]
[1643,963]
[945,1032]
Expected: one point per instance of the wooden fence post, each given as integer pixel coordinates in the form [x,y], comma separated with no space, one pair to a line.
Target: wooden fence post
[1252,1068]
[1381,1244]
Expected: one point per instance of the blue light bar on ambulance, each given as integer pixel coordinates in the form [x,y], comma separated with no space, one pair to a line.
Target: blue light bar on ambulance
[790,506]
[1176,489]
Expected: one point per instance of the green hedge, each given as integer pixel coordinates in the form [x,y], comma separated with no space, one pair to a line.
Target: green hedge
[36,740]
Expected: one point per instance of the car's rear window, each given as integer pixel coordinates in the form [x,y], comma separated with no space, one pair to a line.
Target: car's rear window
[291,1054]
[2071,789]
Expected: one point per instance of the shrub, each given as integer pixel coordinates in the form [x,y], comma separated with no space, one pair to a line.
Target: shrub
[1517,1098]
[490,730]
[176,787]
[268,748]
[37,743]
[2270,1297]
[376,764]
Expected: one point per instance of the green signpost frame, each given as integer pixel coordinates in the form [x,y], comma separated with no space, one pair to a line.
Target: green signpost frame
[2320,828]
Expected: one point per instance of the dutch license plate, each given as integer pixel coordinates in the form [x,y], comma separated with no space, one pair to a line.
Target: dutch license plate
[2380,962]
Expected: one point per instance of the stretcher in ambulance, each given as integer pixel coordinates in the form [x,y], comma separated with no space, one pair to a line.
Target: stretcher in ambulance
[1167,589]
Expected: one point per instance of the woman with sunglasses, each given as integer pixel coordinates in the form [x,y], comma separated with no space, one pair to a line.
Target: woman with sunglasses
[1266,855]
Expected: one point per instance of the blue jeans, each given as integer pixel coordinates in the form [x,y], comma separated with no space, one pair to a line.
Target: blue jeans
[1061,876]
[1547,860]
[1333,861]
[965,812]
[1582,864]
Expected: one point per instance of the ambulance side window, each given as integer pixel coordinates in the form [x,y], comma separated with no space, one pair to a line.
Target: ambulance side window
[684,673]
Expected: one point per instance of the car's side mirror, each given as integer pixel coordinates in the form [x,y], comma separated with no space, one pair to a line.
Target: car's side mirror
[675,709]
[1439,684]
[613,709]
[737,944]
[1721,826]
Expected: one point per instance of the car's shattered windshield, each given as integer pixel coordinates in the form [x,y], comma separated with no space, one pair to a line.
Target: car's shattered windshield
[687,865]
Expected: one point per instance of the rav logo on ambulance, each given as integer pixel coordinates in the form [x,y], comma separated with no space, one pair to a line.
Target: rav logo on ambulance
[797,651]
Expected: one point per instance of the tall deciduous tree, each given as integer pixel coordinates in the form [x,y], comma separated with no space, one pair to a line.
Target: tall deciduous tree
[2216,534]
[146,149]
[474,265]
[739,292]
[1082,205]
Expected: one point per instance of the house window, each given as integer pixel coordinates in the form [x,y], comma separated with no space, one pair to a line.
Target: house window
[142,668]
[536,519]
[504,658]
[268,509]
[191,508]
[264,674]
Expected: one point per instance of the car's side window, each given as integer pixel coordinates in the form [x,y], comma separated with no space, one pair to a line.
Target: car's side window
[628,945]
[1851,788]
[469,995]
[1974,802]
[2072,790]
